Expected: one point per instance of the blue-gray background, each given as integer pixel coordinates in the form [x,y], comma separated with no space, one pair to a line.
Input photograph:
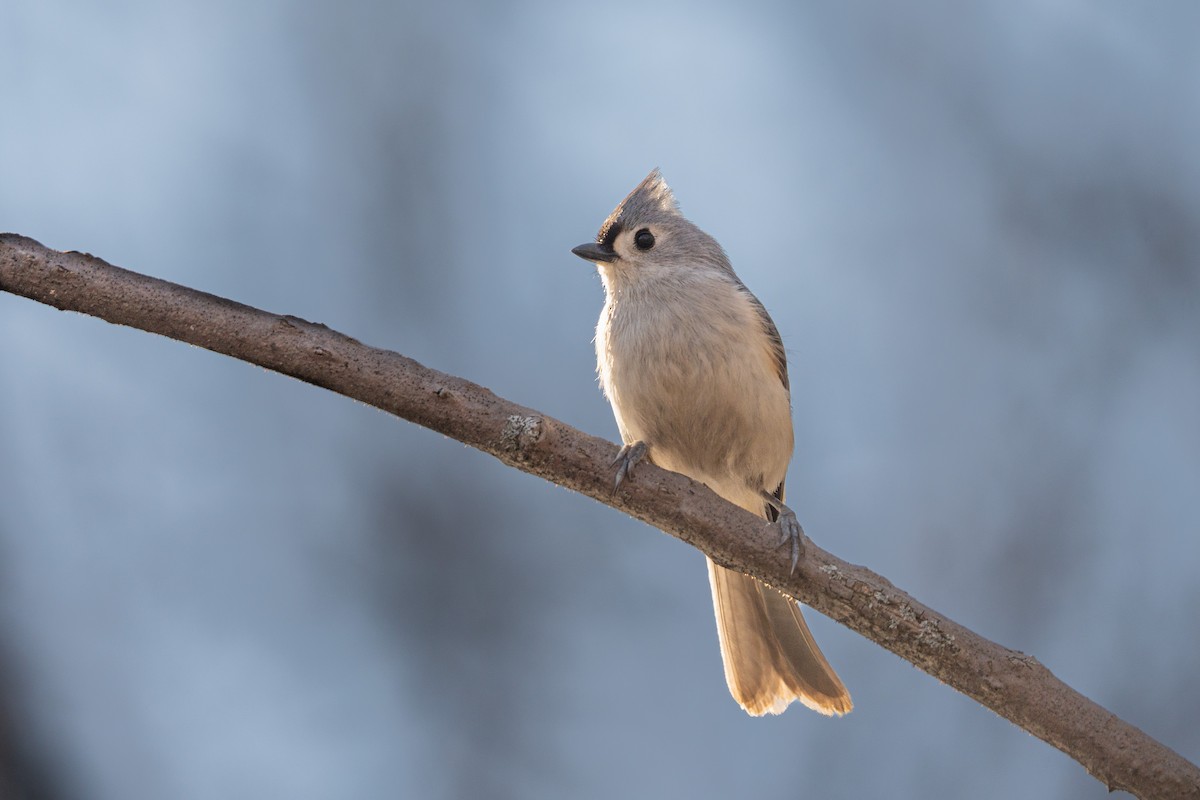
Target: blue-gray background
[976,230]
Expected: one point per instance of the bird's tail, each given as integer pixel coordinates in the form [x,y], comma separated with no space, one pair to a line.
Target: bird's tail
[770,656]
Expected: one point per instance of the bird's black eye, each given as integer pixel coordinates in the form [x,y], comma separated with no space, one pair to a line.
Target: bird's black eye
[644,239]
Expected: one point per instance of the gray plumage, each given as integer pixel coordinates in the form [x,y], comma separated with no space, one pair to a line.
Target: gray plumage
[697,377]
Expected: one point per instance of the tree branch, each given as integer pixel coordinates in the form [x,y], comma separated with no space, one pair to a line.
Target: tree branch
[1012,684]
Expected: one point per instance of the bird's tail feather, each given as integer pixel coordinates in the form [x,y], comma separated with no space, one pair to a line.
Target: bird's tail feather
[770,656]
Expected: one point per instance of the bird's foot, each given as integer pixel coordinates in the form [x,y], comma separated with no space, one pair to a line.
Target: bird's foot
[628,458]
[790,532]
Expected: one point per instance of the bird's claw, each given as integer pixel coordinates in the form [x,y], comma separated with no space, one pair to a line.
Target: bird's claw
[792,534]
[626,460]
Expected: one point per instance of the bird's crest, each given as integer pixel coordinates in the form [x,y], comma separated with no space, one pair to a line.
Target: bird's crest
[651,199]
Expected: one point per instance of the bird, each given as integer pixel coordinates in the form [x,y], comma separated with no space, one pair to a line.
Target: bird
[696,374]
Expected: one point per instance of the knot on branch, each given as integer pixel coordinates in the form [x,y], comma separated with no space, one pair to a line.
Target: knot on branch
[521,433]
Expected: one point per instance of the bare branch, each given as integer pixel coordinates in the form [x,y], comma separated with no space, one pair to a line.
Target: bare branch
[1012,684]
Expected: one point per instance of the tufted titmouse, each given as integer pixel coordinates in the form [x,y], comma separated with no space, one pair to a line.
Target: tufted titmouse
[697,377]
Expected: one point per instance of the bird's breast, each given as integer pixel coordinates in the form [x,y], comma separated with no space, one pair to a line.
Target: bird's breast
[691,374]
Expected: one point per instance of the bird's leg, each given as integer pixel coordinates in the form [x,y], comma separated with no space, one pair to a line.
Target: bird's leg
[790,531]
[626,460]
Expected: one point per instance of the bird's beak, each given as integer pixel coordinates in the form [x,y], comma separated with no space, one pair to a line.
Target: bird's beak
[596,252]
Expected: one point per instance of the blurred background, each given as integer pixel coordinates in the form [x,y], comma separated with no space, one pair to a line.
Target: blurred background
[975,226]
